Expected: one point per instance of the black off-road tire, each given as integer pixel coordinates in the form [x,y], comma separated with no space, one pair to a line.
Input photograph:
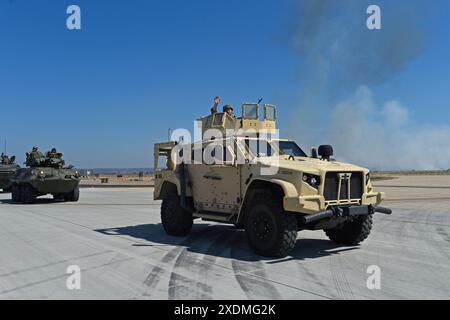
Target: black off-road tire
[72,196]
[352,232]
[175,220]
[75,195]
[28,195]
[270,231]
[15,196]
[22,191]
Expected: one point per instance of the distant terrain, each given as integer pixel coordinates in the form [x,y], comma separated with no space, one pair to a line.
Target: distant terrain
[114,171]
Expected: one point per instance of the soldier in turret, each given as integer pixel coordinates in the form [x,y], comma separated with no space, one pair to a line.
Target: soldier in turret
[228,109]
[35,157]
[5,159]
[54,158]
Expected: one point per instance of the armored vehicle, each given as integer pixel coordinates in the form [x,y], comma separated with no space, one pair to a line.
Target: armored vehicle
[7,169]
[241,173]
[45,175]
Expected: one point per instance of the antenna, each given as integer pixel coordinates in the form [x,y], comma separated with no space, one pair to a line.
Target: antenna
[169,134]
[5,146]
[259,101]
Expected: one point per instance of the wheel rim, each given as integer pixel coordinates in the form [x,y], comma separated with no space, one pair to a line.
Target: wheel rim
[263,226]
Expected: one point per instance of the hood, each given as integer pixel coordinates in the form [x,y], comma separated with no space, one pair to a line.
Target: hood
[312,165]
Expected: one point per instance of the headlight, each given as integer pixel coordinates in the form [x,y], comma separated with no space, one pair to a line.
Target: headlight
[311,179]
[41,174]
[76,174]
[367,178]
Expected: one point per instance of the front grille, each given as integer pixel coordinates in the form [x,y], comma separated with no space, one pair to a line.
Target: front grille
[350,182]
[331,186]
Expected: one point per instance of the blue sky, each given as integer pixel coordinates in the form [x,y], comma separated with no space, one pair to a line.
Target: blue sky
[104,94]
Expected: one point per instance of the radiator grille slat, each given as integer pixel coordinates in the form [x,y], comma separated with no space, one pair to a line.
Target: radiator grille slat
[332,187]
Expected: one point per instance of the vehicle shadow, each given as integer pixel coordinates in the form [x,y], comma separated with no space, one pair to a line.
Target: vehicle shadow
[38,201]
[222,241]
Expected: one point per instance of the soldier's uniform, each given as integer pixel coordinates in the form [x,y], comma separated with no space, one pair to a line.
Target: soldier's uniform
[35,158]
[227,108]
[54,158]
[5,159]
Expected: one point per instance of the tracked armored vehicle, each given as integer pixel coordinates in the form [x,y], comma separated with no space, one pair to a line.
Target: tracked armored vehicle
[242,173]
[45,175]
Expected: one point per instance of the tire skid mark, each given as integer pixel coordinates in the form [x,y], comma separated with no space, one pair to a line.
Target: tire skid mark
[337,282]
[444,234]
[182,287]
[426,232]
[61,276]
[56,223]
[421,230]
[340,271]
[156,272]
[312,276]
[253,287]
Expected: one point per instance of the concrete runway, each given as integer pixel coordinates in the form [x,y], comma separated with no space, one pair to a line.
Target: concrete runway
[115,237]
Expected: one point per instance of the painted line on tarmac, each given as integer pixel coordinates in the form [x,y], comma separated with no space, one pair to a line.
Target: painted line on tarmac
[416,199]
[411,187]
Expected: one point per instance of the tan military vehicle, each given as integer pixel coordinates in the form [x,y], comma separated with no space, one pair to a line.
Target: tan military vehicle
[240,174]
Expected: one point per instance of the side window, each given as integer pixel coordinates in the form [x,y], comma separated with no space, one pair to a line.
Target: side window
[218,120]
[164,161]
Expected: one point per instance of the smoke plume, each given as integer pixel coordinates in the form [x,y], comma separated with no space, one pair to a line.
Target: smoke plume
[341,60]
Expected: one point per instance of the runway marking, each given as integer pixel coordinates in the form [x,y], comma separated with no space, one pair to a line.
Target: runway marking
[411,187]
[416,222]
[60,276]
[416,199]
[54,263]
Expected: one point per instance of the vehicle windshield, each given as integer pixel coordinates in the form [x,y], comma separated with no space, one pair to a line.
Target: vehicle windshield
[291,148]
[250,111]
[264,148]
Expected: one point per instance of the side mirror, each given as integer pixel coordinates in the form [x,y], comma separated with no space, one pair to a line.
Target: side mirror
[13,159]
[314,153]
[325,151]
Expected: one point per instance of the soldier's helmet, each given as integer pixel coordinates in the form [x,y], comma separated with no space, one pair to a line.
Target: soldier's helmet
[53,150]
[35,149]
[227,107]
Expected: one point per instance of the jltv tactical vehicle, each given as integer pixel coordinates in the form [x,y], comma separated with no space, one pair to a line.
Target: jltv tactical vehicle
[266,185]
[45,175]
[8,168]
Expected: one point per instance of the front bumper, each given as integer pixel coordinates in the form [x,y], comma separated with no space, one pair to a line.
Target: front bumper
[317,203]
[55,185]
[342,212]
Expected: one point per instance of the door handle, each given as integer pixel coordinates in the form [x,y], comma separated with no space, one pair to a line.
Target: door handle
[212,177]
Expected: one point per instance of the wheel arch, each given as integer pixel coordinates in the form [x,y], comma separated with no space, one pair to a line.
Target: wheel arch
[278,187]
[168,187]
